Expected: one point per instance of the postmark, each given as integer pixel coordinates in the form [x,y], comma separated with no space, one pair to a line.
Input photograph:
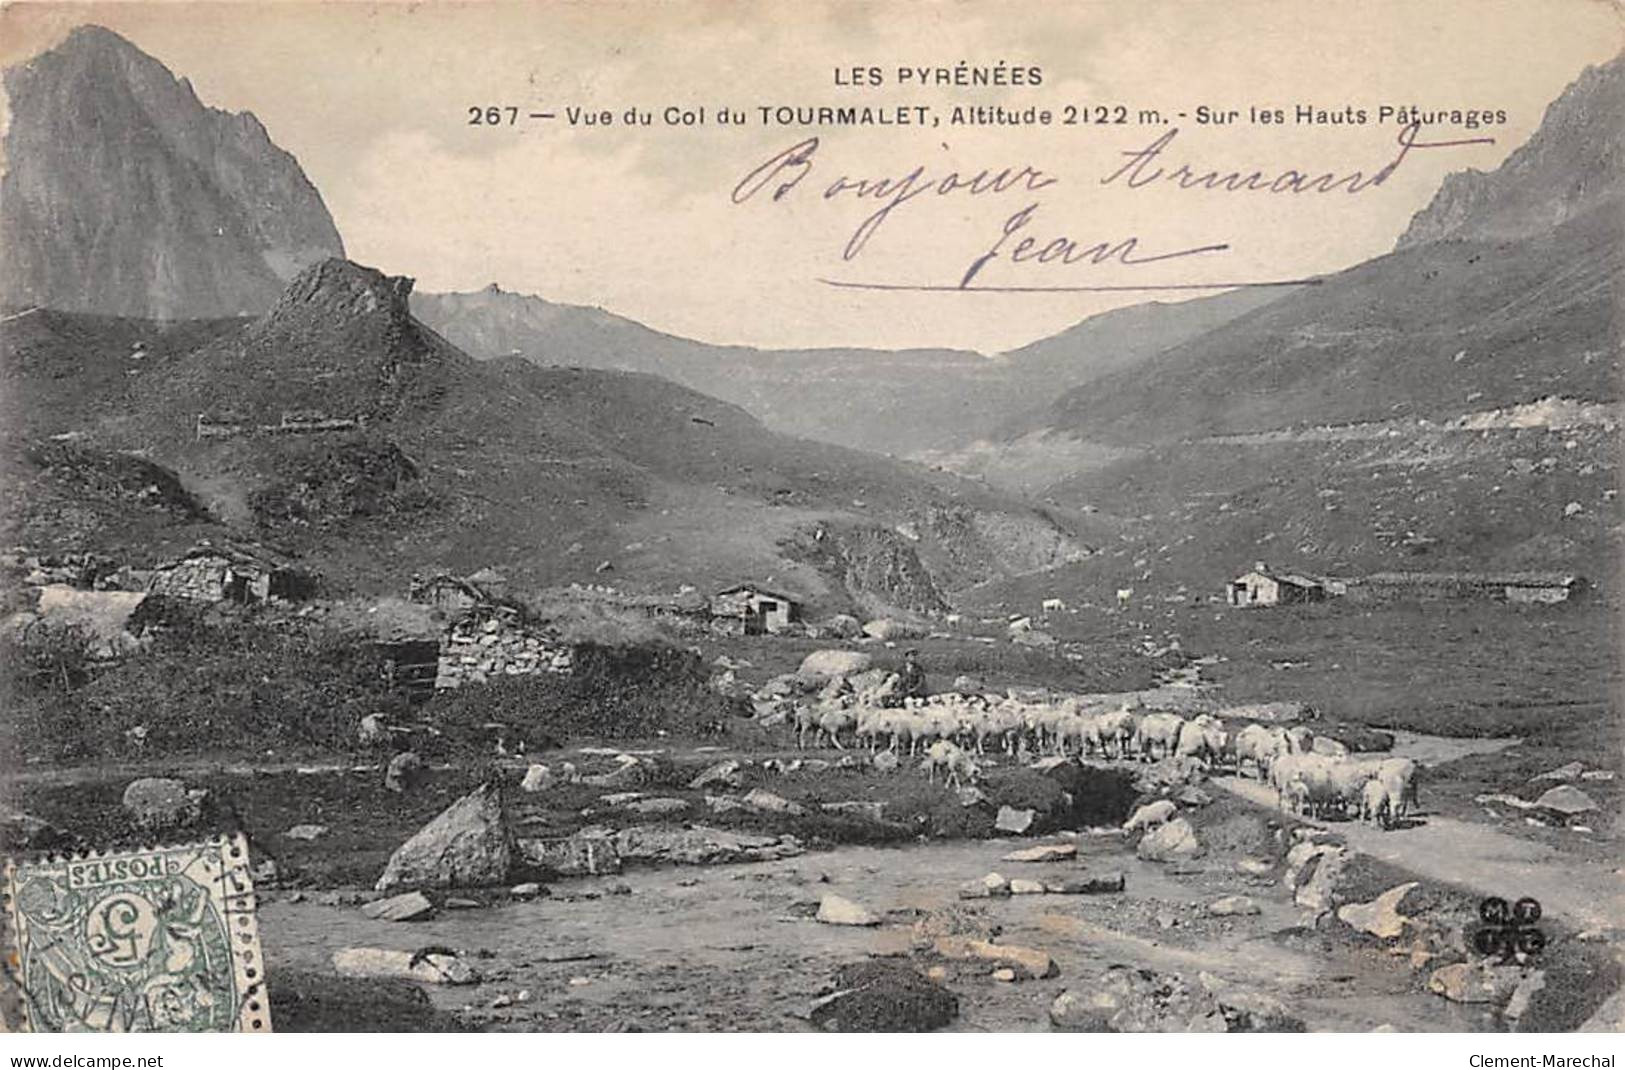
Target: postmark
[157,939]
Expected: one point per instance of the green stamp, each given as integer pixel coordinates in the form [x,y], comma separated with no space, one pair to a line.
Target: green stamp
[158,939]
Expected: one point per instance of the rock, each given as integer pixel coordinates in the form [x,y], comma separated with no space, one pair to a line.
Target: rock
[1029,963]
[1380,917]
[1174,841]
[412,906]
[884,996]
[1090,885]
[996,884]
[537,778]
[1233,906]
[1045,852]
[872,810]
[1597,774]
[427,967]
[886,628]
[1191,795]
[1003,973]
[1518,1005]
[699,846]
[1014,821]
[1151,815]
[1475,982]
[975,890]
[827,663]
[306,832]
[1319,892]
[769,803]
[1126,999]
[1571,771]
[722,804]
[466,846]
[1299,860]
[157,803]
[1255,867]
[404,772]
[1247,1011]
[969,685]
[723,774]
[1567,800]
[528,890]
[971,796]
[885,762]
[1024,886]
[838,910]
[843,626]
[659,805]
[586,854]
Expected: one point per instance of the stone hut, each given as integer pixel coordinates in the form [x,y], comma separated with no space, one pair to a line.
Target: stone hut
[757,610]
[223,573]
[1262,586]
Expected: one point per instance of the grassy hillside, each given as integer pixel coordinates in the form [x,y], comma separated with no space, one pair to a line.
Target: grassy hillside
[443,461]
[1426,332]
[900,402]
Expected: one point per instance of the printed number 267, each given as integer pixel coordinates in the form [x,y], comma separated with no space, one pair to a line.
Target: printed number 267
[492,116]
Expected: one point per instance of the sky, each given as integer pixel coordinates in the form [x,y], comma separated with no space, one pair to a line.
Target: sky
[374,100]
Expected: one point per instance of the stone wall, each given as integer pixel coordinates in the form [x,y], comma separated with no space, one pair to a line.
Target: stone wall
[474,652]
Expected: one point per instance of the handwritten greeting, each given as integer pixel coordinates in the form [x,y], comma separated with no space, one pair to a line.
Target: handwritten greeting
[1018,243]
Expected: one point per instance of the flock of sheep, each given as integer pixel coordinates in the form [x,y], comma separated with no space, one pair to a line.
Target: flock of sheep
[1316,776]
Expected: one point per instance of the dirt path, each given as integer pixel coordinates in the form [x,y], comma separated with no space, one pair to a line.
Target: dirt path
[1480,857]
[732,947]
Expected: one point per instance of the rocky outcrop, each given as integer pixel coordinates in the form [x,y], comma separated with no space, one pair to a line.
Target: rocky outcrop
[1571,164]
[126,195]
[466,846]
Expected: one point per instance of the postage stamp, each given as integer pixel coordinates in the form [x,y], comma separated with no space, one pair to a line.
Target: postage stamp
[155,939]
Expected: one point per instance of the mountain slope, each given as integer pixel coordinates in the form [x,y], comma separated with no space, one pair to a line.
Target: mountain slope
[339,427]
[900,402]
[125,195]
[1570,165]
[1451,405]
[1507,306]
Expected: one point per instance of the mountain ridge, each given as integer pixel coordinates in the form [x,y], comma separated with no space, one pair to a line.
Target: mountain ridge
[125,194]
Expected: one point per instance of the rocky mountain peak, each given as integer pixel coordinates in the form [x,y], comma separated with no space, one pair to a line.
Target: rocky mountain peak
[340,288]
[127,195]
[1570,165]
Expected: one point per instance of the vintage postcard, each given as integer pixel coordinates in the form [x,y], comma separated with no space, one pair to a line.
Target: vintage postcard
[812,517]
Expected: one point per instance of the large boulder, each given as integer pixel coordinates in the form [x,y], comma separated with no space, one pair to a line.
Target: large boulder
[1173,841]
[842,626]
[586,854]
[890,628]
[835,663]
[1475,982]
[1128,999]
[159,803]
[884,996]
[1380,917]
[1567,801]
[468,845]
[838,910]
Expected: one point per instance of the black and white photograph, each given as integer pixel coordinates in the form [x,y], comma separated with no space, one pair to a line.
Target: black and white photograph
[819,518]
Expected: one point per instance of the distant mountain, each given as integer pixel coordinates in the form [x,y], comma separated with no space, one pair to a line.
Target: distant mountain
[1516,298]
[126,195]
[1574,162]
[339,427]
[1451,405]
